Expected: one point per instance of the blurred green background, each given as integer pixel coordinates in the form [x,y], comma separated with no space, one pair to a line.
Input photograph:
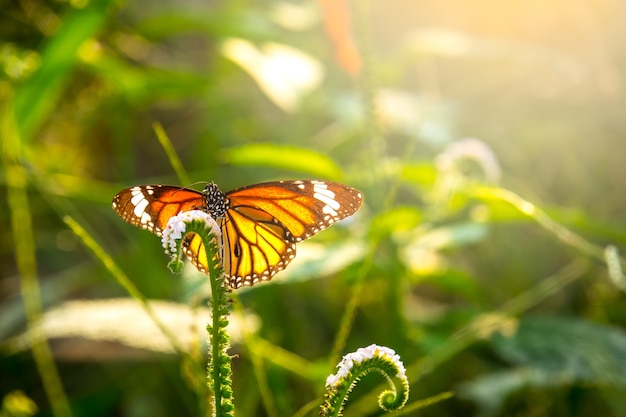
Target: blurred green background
[437,111]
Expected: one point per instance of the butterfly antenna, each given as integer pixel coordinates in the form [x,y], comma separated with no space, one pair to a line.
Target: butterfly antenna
[194,183]
[181,188]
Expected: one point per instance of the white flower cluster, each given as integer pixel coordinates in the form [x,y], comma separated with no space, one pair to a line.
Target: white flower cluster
[177,226]
[361,355]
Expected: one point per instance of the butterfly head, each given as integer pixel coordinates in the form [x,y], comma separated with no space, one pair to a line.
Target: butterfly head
[215,201]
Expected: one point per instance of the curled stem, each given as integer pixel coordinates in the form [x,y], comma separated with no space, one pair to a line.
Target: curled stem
[354,366]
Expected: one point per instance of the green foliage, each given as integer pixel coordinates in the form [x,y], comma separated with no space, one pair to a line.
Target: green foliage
[16,404]
[494,266]
[35,98]
[550,353]
[568,349]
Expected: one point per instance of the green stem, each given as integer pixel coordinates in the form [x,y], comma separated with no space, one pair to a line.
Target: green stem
[219,373]
[175,162]
[216,349]
[26,261]
[564,234]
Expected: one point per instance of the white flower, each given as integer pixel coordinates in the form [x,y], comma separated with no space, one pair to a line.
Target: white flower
[470,149]
[177,226]
[362,354]
[331,380]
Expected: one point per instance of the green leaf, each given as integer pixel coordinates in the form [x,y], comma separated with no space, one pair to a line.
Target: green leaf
[396,219]
[491,390]
[547,343]
[551,352]
[454,282]
[421,173]
[448,236]
[38,95]
[250,23]
[287,157]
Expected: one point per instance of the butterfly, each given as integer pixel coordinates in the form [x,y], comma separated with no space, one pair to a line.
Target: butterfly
[260,223]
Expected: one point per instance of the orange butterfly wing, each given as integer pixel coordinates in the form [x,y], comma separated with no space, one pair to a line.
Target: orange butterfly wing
[264,221]
[255,246]
[151,206]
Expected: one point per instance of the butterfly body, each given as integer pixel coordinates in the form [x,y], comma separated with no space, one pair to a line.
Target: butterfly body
[260,223]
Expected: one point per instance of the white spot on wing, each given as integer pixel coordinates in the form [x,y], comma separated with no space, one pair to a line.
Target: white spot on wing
[328,200]
[145,218]
[137,196]
[322,193]
[140,207]
[329,210]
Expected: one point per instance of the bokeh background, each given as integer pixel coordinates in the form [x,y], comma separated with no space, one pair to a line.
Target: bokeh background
[487,137]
